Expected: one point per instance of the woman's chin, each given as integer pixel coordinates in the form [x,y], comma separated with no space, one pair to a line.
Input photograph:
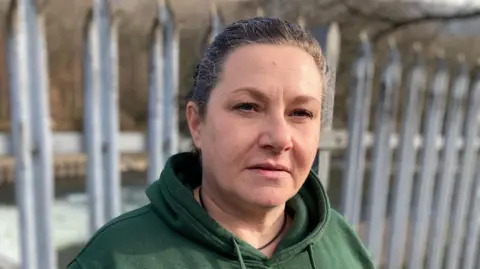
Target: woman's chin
[267,199]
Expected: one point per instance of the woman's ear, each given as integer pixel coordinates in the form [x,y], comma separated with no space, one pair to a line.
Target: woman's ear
[194,121]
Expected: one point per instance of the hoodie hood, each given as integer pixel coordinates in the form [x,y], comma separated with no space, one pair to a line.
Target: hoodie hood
[172,200]
[174,231]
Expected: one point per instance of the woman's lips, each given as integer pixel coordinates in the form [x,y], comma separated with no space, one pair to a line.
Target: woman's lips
[270,171]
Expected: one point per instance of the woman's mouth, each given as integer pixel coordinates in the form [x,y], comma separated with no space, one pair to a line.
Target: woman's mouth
[271,171]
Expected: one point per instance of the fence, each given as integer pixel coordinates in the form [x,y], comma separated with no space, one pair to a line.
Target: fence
[440,227]
[438,214]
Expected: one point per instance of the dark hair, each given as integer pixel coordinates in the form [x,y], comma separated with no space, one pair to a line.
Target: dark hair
[251,31]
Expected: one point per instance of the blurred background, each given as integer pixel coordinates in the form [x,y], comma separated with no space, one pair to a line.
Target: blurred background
[363,31]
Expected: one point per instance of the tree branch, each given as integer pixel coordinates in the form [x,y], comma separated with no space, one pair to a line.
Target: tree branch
[357,11]
[400,24]
[328,5]
[395,24]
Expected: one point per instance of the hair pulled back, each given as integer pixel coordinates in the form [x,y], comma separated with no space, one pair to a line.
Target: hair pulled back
[258,30]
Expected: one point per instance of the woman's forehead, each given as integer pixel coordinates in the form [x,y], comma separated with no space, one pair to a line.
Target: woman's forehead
[271,66]
[268,56]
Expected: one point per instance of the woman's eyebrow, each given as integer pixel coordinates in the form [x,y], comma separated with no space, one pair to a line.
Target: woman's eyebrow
[303,99]
[253,92]
[261,96]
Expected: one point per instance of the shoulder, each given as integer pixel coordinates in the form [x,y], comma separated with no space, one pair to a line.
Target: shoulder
[122,227]
[129,234]
[339,221]
[345,233]
[341,236]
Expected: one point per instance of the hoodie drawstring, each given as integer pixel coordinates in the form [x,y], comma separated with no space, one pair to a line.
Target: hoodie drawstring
[239,254]
[310,255]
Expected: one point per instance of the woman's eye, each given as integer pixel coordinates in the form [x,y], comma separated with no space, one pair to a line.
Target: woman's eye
[245,107]
[302,113]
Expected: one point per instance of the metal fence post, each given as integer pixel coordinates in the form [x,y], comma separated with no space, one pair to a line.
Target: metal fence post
[101,115]
[382,153]
[354,114]
[429,163]
[365,119]
[405,163]
[216,25]
[357,123]
[332,53]
[470,243]
[467,191]
[20,83]
[171,68]
[155,104]
[109,106]
[42,139]
[443,197]
[92,91]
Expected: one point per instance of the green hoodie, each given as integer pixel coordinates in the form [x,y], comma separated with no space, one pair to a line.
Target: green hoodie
[174,232]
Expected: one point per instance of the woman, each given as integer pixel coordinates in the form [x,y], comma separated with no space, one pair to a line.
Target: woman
[247,197]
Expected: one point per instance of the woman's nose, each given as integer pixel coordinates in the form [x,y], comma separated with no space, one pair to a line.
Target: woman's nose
[276,135]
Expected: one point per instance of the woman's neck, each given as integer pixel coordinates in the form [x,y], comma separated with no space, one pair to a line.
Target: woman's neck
[257,228]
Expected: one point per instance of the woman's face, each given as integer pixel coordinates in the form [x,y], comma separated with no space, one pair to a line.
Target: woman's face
[260,131]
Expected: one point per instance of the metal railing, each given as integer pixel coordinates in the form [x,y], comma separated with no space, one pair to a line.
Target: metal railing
[445,178]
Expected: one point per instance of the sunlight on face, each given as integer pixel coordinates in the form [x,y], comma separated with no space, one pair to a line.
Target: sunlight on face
[261,129]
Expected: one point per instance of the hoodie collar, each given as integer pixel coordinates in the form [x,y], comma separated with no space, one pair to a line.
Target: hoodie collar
[172,199]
